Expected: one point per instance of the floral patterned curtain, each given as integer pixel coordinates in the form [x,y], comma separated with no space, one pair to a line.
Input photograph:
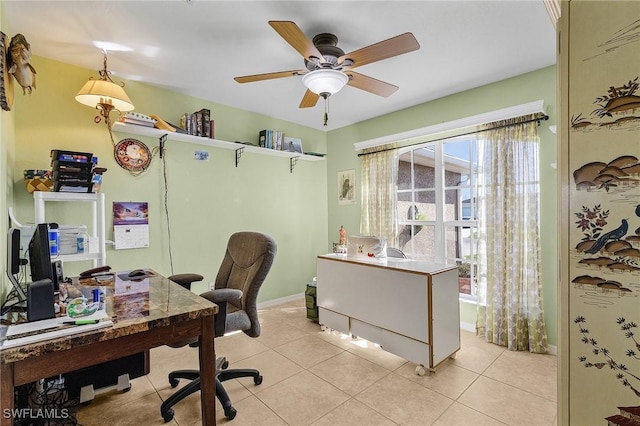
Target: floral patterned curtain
[509,289]
[379,177]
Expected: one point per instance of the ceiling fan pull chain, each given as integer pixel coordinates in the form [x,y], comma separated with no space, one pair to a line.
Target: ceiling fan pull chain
[326,110]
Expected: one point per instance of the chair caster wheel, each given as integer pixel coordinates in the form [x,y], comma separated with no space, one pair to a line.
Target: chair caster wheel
[257,380]
[225,365]
[168,415]
[126,389]
[230,413]
[173,382]
[420,370]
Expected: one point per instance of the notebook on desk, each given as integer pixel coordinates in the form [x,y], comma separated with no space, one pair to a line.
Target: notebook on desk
[37,331]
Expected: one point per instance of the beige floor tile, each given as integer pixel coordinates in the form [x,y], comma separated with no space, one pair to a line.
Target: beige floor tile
[508,404]
[449,380]
[308,375]
[273,367]
[164,359]
[238,346]
[308,351]
[278,333]
[302,399]
[353,413]
[475,353]
[251,411]
[404,401]
[535,373]
[109,410]
[460,415]
[376,354]
[336,338]
[349,373]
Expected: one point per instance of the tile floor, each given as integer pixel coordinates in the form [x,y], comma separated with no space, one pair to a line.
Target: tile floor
[324,378]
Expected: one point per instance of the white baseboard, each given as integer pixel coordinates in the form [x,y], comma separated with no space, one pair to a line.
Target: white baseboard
[467,326]
[280,301]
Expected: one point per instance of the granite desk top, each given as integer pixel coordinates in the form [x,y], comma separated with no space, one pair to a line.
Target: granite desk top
[134,307]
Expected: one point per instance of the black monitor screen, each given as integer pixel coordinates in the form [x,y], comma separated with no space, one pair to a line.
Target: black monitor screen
[40,255]
[13,251]
[14,262]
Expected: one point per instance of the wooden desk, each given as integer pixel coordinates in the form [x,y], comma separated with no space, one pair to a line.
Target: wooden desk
[167,313]
[410,308]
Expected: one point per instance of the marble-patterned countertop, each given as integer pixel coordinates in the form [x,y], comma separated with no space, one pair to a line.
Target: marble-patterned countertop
[134,306]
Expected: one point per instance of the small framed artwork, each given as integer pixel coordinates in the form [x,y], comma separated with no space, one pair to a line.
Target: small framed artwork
[347,187]
[292,144]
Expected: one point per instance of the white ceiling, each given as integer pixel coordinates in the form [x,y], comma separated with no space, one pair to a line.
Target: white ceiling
[197,47]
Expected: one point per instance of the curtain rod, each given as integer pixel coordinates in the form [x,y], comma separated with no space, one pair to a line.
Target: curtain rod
[540,116]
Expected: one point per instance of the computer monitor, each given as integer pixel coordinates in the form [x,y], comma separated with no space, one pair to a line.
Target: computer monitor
[14,262]
[40,255]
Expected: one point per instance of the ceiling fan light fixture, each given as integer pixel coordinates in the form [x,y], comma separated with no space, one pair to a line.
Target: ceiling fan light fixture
[325,81]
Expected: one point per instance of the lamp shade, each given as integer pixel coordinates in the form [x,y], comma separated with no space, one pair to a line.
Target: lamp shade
[325,81]
[96,92]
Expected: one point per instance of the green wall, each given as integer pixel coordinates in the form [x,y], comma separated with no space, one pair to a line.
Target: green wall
[526,88]
[208,200]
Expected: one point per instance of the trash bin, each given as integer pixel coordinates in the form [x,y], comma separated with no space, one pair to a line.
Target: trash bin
[310,298]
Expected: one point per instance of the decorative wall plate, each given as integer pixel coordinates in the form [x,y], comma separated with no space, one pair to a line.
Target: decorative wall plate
[132,155]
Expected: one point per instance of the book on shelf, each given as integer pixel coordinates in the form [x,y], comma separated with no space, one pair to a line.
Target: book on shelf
[197,123]
[271,139]
[136,122]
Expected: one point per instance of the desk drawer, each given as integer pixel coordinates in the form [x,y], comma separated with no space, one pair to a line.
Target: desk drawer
[366,331]
[333,320]
[410,349]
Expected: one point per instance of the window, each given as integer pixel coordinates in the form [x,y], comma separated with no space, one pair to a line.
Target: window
[437,211]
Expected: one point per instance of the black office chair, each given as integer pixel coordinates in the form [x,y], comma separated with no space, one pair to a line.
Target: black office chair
[246,263]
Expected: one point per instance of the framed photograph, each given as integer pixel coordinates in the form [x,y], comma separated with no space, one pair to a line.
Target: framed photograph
[347,187]
[292,144]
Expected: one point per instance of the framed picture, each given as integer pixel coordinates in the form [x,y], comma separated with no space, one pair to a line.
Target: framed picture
[347,187]
[292,144]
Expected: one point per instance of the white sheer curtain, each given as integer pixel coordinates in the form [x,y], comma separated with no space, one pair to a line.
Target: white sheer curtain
[509,289]
[379,177]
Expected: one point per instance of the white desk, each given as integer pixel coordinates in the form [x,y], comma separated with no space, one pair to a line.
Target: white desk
[410,308]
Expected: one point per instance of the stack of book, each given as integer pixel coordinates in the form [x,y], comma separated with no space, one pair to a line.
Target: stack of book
[138,119]
[198,123]
[271,139]
[72,171]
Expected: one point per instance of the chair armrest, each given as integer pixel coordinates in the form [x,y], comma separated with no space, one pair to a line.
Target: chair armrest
[223,295]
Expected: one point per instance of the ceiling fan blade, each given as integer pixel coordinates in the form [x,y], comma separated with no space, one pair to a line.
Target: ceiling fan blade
[389,48]
[370,84]
[293,35]
[309,99]
[269,76]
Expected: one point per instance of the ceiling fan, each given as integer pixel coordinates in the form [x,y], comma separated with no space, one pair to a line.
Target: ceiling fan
[328,69]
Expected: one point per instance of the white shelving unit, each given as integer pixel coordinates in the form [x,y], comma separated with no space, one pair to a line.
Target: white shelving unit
[98,227]
[239,148]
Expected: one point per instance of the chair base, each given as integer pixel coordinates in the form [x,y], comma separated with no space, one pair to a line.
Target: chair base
[194,385]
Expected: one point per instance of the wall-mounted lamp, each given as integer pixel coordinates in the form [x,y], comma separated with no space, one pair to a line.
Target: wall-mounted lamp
[104,95]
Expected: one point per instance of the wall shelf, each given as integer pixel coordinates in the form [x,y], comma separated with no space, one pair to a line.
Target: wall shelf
[98,221]
[214,143]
